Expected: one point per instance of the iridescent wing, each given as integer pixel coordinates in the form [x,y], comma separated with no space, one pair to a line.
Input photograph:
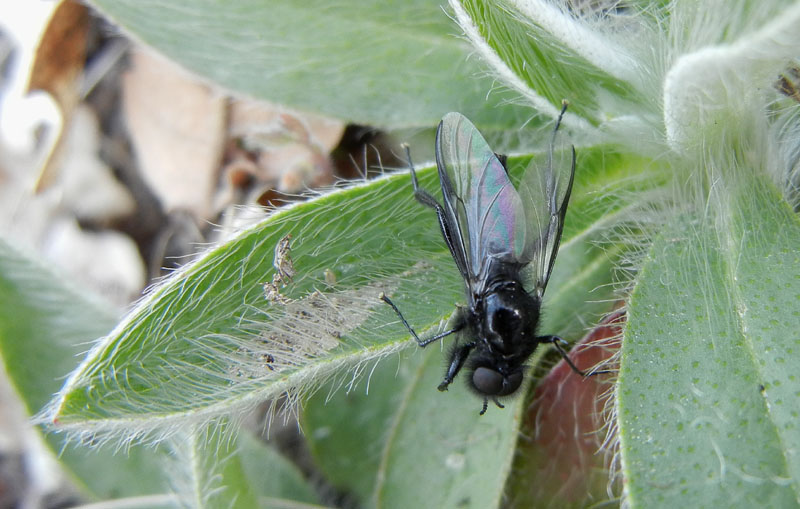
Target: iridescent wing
[479,199]
[545,190]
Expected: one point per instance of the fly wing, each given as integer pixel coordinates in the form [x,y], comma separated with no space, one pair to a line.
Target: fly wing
[545,190]
[479,197]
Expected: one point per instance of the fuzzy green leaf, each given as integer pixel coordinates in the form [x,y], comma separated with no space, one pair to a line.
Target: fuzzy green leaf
[728,68]
[214,477]
[440,452]
[350,455]
[207,341]
[276,480]
[387,64]
[213,470]
[709,388]
[548,54]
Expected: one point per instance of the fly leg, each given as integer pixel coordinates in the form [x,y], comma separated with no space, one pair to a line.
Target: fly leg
[459,354]
[559,345]
[422,196]
[461,322]
[446,226]
[486,405]
[457,358]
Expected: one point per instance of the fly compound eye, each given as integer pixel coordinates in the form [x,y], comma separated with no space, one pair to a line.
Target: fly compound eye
[487,381]
[492,383]
[513,381]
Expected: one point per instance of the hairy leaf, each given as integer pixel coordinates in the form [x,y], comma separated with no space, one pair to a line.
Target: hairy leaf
[708,390]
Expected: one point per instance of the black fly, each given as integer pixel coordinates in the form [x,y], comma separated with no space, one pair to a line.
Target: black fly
[498,236]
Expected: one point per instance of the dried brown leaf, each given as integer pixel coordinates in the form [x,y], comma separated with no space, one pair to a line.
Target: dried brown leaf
[177,126]
[57,67]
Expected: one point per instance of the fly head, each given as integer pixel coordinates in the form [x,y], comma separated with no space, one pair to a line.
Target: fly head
[491,381]
[507,318]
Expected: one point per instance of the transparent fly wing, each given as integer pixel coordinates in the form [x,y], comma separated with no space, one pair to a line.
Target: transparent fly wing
[545,190]
[479,197]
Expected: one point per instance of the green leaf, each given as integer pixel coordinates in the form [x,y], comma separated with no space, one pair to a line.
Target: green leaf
[710,88]
[731,20]
[440,452]
[350,455]
[708,389]
[387,64]
[207,341]
[208,473]
[548,55]
[212,469]
[408,445]
[276,480]
[44,325]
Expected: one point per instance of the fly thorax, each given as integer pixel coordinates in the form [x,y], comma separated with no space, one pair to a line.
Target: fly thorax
[511,316]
